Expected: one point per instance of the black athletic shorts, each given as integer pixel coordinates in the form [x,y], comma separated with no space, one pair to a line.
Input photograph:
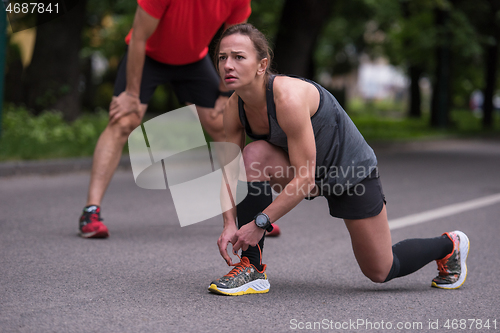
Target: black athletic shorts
[365,199]
[196,83]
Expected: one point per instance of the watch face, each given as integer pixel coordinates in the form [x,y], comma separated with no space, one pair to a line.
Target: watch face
[261,221]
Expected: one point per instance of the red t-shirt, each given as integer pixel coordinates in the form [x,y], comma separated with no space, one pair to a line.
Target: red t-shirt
[186,27]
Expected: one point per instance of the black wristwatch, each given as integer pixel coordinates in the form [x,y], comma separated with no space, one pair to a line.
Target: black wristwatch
[262,221]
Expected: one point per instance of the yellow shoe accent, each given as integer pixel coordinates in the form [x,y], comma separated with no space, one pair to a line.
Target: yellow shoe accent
[213,288]
[434,284]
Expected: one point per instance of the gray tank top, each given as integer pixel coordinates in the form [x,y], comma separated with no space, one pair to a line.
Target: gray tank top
[342,155]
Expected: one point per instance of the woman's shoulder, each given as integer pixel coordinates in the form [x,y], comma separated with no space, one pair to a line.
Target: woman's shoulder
[285,83]
[288,82]
[291,89]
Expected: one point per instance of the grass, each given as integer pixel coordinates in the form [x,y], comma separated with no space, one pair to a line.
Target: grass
[48,136]
[381,122]
[28,137]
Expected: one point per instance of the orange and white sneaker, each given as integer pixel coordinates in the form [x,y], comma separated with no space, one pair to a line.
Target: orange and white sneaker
[243,279]
[453,267]
[90,224]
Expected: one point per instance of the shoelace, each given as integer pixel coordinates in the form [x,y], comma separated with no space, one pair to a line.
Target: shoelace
[239,267]
[442,267]
[442,264]
[242,265]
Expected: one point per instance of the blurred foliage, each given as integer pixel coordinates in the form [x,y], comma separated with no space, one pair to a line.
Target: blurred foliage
[28,137]
[106,30]
[403,31]
[48,135]
[343,38]
[266,15]
[411,37]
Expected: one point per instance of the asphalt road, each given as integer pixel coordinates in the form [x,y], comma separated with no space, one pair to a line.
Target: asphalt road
[151,275]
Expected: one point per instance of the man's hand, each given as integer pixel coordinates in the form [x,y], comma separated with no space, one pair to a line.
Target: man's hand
[223,241]
[218,109]
[123,105]
[248,235]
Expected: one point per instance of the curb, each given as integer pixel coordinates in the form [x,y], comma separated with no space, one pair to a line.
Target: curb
[51,167]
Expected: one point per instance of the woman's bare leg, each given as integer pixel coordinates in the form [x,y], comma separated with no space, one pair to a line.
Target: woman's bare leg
[372,245]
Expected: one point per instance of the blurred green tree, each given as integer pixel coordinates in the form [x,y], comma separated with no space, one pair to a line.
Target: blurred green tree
[343,38]
[341,44]
[434,39]
[444,40]
[485,16]
[51,81]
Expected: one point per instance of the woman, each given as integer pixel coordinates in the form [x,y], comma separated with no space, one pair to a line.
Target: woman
[304,146]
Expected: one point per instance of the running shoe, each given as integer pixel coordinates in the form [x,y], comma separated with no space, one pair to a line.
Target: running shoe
[91,225]
[275,232]
[243,279]
[453,267]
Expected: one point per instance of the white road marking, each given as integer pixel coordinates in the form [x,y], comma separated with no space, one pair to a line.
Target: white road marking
[443,212]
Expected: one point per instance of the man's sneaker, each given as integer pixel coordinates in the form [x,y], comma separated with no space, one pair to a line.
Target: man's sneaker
[453,267]
[275,232]
[91,225]
[243,279]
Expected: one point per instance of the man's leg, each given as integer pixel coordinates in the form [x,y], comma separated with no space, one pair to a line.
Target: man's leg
[108,152]
[106,158]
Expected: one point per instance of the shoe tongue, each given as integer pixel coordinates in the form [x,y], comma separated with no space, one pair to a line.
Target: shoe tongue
[91,209]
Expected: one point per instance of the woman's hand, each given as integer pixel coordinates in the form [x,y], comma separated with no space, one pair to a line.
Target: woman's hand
[224,240]
[248,235]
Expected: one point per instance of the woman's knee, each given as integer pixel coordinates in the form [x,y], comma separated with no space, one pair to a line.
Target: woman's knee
[255,154]
[378,272]
[263,161]
[377,276]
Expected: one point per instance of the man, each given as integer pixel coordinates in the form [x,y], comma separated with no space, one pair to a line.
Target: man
[167,43]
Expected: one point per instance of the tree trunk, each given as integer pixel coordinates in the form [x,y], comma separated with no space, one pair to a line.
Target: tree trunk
[415,107]
[414,71]
[53,77]
[13,76]
[441,88]
[491,67]
[300,24]
[489,90]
